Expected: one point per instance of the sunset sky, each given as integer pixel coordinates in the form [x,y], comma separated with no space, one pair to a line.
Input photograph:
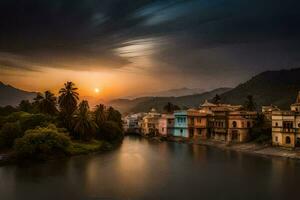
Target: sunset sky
[131,47]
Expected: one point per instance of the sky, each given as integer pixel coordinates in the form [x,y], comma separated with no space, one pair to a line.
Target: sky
[131,47]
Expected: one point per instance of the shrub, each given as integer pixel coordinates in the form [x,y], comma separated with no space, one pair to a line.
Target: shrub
[110,131]
[8,133]
[40,143]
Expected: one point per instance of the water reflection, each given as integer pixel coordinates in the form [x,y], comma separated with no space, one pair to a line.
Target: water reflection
[141,169]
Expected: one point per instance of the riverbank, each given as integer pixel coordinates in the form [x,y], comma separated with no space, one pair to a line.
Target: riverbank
[251,147]
[75,149]
[254,148]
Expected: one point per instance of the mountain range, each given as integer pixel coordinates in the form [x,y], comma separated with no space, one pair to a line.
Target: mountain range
[170,93]
[10,95]
[144,104]
[279,88]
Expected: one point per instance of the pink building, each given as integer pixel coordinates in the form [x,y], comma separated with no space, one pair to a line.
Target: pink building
[166,125]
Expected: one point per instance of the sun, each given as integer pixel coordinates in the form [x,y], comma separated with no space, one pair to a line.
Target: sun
[97,90]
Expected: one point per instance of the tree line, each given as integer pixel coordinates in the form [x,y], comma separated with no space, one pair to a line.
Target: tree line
[63,119]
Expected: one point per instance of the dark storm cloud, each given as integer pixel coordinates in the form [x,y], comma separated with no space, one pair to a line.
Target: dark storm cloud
[193,36]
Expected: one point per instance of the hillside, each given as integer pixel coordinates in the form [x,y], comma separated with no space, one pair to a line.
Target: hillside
[271,87]
[144,104]
[12,96]
[171,93]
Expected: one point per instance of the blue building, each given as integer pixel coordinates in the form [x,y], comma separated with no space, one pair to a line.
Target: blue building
[181,124]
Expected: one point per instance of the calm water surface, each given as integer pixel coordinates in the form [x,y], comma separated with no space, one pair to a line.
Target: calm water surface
[140,169]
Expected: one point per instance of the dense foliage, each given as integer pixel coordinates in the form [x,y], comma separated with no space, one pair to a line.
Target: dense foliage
[41,142]
[53,125]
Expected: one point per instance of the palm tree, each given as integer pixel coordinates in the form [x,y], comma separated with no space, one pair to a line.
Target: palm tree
[68,102]
[84,126]
[100,114]
[68,98]
[46,103]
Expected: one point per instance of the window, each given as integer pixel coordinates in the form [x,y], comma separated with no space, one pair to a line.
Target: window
[276,124]
[181,131]
[248,124]
[234,124]
[242,124]
[299,125]
[288,140]
[276,139]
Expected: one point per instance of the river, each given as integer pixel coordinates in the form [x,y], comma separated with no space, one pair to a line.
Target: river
[141,169]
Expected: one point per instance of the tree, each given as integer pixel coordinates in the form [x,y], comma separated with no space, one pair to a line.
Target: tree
[4,111]
[115,116]
[9,132]
[250,104]
[100,114]
[111,132]
[170,108]
[46,103]
[39,143]
[216,99]
[26,106]
[84,126]
[68,102]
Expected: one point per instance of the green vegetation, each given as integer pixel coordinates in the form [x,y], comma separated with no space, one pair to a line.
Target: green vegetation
[51,126]
[39,143]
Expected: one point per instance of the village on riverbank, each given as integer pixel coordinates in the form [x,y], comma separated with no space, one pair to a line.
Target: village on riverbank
[270,131]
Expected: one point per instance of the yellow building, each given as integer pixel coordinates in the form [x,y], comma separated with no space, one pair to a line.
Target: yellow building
[150,123]
[286,126]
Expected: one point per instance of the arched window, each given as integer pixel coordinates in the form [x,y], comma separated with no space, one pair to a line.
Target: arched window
[287,140]
[234,124]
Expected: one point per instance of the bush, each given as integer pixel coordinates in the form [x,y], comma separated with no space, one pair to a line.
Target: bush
[110,131]
[8,133]
[39,143]
[29,121]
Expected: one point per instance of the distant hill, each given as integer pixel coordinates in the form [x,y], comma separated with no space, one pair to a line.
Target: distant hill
[172,93]
[271,87]
[12,96]
[144,104]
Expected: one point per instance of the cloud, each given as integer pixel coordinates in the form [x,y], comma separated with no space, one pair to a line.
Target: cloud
[179,37]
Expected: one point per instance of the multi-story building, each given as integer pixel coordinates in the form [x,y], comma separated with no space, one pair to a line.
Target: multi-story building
[150,123]
[166,125]
[181,124]
[131,123]
[286,126]
[229,123]
[240,124]
[192,123]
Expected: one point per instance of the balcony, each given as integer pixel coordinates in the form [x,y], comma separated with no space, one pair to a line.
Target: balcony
[288,130]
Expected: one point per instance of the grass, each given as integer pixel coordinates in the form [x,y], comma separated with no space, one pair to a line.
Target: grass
[79,147]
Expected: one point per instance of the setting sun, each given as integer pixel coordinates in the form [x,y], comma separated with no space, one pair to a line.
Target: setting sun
[97,90]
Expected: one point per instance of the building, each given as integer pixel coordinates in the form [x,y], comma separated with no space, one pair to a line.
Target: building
[228,123]
[240,124]
[150,123]
[191,123]
[286,126]
[131,123]
[181,124]
[267,113]
[166,125]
